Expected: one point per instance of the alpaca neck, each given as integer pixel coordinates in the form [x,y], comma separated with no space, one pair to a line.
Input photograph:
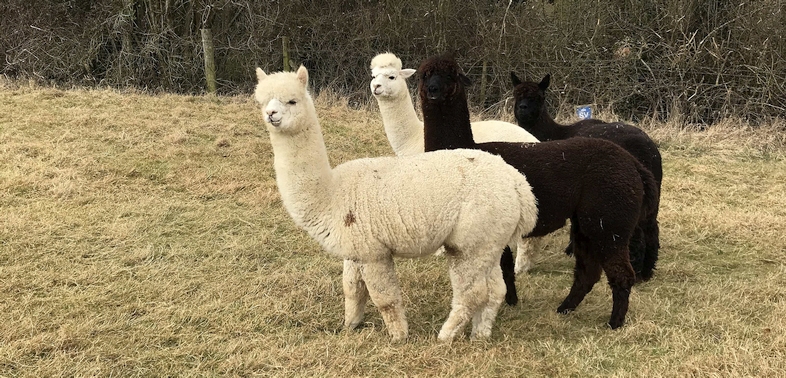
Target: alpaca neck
[545,128]
[402,126]
[447,125]
[303,173]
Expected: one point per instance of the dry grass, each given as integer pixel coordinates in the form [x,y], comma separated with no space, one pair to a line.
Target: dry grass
[144,236]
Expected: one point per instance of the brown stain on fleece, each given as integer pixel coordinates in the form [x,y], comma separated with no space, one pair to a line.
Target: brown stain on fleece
[349,219]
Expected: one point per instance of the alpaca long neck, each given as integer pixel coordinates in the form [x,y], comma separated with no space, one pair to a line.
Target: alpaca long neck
[402,126]
[303,173]
[545,128]
[447,125]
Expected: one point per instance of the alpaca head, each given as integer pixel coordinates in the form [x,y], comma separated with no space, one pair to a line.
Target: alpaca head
[388,80]
[441,80]
[530,98]
[284,99]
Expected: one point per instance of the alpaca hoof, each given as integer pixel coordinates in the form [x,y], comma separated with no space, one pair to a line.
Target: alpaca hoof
[511,298]
[614,324]
[564,310]
[444,337]
[481,335]
[398,337]
[352,325]
[398,340]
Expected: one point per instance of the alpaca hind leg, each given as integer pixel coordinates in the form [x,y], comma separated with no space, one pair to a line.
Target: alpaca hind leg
[621,278]
[470,294]
[481,327]
[355,294]
[585,275]
[383,287]
[509,276]
[652,245]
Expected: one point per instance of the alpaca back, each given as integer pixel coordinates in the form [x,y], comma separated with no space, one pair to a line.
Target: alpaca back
[412,204]
[500,131]
[560,170]
[631,138]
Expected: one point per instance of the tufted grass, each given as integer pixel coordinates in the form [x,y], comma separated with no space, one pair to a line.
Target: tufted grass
[144,236]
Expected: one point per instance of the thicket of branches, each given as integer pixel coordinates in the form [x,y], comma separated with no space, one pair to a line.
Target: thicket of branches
[701,59]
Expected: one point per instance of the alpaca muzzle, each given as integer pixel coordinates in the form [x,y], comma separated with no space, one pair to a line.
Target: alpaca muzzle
[275,121]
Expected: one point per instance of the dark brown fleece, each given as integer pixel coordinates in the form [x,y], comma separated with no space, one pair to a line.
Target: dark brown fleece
[598,185]
[532,115]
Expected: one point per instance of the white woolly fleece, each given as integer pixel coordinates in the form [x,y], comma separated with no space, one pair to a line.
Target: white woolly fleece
[368,210]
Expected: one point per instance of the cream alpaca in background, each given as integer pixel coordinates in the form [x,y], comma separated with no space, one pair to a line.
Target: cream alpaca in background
[402,126]
[405,131]
[367,211]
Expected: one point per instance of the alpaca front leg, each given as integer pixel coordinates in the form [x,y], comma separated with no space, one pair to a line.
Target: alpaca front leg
[355,294]
[585,274]
[383,287]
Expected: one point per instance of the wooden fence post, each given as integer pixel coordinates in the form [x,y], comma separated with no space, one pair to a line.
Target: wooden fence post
[210,63]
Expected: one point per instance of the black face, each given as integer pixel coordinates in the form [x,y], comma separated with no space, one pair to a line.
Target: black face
[440,86]
[436,87]
[530,99]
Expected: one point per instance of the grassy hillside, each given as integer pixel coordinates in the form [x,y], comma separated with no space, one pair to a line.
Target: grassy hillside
[144,236]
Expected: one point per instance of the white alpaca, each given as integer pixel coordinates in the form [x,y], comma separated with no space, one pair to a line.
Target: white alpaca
[405,131]
[367,211]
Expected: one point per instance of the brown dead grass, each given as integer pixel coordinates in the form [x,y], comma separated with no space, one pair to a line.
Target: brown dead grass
[144,236]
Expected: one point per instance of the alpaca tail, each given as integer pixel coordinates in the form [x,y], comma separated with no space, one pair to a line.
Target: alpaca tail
[651,191]
[528,207]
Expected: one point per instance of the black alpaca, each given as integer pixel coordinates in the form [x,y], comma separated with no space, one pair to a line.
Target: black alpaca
[599,186]
[531,115]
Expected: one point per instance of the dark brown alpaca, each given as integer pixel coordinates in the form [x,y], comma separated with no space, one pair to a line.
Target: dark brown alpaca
[599,186]
[531,115]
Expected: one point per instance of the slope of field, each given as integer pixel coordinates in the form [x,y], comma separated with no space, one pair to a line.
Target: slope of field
[144,236]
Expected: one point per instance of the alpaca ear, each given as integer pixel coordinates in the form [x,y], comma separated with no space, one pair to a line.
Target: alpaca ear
[261,75]
[544,84]
[465,80]
[515,79]
[407,72]
[302,74]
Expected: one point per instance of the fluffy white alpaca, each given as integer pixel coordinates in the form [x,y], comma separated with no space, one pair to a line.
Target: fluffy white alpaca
[367,211]
[405,131]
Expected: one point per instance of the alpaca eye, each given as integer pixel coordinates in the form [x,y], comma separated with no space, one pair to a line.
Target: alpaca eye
[392,77]
[292,102]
